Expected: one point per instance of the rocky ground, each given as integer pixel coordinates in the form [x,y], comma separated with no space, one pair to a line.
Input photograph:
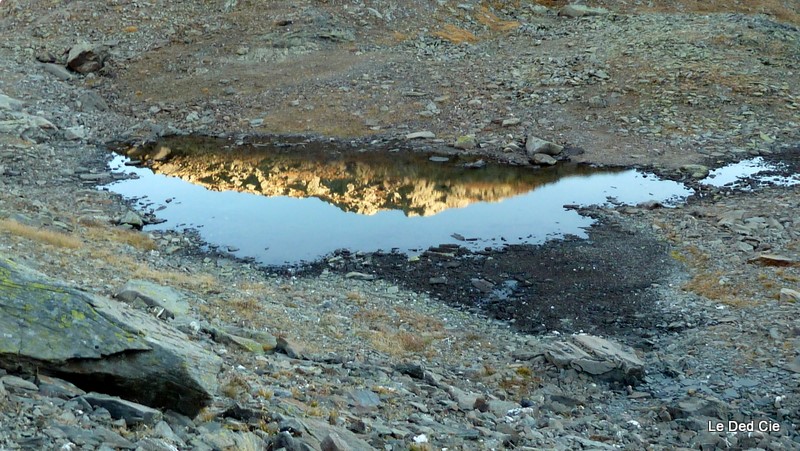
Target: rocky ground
[360,352]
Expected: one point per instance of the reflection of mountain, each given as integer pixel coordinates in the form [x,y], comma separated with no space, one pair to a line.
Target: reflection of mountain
[361,182]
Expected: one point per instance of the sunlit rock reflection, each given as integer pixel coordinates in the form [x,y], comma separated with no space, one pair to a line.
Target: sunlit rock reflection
[363,182]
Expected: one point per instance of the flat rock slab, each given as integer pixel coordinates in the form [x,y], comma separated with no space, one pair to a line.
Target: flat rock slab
[154,295]
[99,344]
[597,356]
[131,412]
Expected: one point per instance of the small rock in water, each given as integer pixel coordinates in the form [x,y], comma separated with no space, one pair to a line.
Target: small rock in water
[535,145]
[475,164]
[543,159]
[697,171]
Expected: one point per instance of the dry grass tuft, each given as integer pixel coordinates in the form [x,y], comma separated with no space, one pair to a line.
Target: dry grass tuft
[399,343]
[456,35]
[135,269]
[715,286]
[50,237]
[494,23]
[133,238]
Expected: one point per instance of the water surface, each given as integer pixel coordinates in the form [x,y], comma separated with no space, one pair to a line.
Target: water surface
[289,204]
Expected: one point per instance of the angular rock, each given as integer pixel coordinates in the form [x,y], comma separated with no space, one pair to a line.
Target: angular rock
[54,387]
[332,442]
[247,344]
[154,295]
[774,260]
[289,348]
[84,58]
[364,399]
[18,384]
[132,219]
[99,344]
[597,356]
[466,142]
[575,11]
[318,431]
[535,145]
[543,159]
[696,171]
[131,412]
[91,101]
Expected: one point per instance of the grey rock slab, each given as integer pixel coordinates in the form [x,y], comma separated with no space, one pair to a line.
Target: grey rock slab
[320,430]
[596,356]
[364,398]
[421,135]
[575,11]
[154,295]
[54,387]
[290,348]
[91,101]
[98,343]
[9,103]
[465,400]
[535,145]
[332,442]
[131,412]
[18,384]
[58,71]
[247,344]
[360,276]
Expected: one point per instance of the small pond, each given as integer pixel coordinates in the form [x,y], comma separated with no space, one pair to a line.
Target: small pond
[287,203]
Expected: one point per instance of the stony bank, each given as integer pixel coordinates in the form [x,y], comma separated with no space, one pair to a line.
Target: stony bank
[117,339]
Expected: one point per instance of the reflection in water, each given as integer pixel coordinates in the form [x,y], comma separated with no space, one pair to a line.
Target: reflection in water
[293,204]
[360,182]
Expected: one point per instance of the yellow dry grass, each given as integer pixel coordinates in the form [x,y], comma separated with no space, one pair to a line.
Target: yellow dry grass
[135,269]
[494,23]
[399,343]
[50,237]
[133,238]
[455,34]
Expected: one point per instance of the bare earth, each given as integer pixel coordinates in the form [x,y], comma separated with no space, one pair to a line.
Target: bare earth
[685,83]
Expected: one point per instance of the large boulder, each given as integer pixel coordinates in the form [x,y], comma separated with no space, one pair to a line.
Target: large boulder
[84,58]
[99,344]
[598,357]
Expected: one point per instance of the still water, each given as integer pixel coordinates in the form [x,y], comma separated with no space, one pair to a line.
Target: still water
[287,204]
